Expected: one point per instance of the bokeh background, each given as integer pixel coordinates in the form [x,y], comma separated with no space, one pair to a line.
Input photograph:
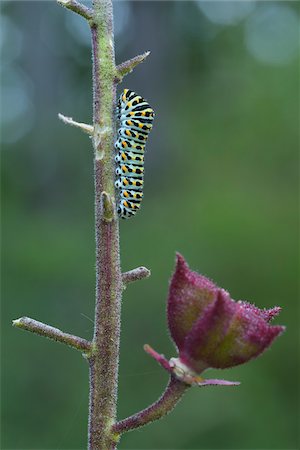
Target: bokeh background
[220,187]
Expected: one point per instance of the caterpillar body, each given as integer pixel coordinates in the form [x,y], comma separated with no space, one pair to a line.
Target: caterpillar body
[135,116]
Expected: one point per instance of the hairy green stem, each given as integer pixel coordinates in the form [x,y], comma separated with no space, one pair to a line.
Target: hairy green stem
[105,358]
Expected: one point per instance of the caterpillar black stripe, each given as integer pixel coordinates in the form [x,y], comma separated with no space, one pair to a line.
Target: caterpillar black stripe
[135,116]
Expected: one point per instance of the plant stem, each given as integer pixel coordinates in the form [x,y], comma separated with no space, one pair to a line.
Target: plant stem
[78,8]
[126,67]
[135,274]
[105,358]
[83,126]
[173,393]
[42,329]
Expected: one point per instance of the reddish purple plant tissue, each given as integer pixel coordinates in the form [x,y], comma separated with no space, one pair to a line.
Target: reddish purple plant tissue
[209,329]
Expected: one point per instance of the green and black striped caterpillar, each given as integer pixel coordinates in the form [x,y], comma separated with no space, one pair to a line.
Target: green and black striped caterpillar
[135,116]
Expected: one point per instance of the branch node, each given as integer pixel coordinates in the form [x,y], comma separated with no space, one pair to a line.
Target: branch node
[126,67]
[89,129]
[101,134]
[136,274]
[107,205]
[78,8]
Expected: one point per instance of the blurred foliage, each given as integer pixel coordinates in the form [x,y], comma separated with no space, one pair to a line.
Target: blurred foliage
[221,188]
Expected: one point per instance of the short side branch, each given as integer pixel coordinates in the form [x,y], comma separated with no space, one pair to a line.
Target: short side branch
[173,393]
[77,7]
[42,329]
[136,274]
[89,129]
[126,67]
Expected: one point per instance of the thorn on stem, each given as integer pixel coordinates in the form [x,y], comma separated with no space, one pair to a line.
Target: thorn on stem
[126,67]
[136,274]
[89,129]
[78,8]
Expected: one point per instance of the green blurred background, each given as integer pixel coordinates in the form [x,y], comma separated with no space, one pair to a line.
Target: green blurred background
[220,187]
